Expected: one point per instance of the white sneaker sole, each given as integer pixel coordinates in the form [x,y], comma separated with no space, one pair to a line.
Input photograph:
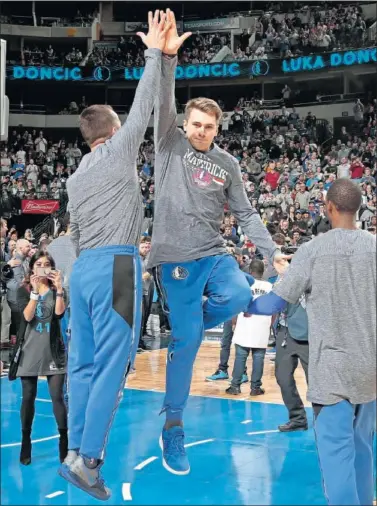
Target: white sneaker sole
[166,466]
[217,379]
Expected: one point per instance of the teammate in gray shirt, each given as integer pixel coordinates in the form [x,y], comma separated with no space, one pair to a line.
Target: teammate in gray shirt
[194,179]
[337,272]
[106,286]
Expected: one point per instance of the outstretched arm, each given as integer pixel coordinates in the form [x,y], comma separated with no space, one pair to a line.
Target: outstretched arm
[295,282]
[165,112]
[267,305]
[129,137]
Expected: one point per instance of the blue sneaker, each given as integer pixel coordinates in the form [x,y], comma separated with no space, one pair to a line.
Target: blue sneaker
[219,375]
[88,480]
[174,457]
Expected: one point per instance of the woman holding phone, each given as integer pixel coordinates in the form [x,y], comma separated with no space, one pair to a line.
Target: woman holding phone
[39,350]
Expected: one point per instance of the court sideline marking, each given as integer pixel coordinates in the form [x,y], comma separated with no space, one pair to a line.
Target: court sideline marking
[149,460]
[8,445]
[55,494]
[18,412]
[188,445]
[126,492]
[262,432]
[126,487]
[145,463]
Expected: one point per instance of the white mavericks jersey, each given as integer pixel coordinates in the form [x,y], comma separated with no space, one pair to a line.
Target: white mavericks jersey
[254,332]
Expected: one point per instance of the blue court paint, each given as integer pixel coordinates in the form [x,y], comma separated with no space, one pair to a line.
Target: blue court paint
[232,467]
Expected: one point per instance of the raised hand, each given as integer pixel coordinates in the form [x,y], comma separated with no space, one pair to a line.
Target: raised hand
[173,41]
[56,279]
[34,281]
[158,28]
[14,262]
[281,263]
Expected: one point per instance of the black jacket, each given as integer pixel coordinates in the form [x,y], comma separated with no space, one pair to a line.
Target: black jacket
[321,224]
[56,341]
[50,227]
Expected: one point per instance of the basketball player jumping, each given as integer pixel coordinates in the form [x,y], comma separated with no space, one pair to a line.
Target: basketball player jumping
[106,287]
[194,179]
[337,272]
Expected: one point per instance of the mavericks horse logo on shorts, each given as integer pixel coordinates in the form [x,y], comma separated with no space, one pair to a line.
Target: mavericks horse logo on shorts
[179,273]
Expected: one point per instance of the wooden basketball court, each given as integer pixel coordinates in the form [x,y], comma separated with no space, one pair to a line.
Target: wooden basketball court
[151,365]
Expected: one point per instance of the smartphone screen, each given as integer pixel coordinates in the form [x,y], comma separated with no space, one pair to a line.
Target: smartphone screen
[43,272]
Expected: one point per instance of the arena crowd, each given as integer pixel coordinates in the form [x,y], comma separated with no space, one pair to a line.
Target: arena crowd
[276,34]
[285,171]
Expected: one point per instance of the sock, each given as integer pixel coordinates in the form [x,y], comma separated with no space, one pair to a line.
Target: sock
[173,423]
[91,463]
[173,418]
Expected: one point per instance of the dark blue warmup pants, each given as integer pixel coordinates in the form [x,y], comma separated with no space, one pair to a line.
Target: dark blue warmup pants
[182,287]
[344,436]
[106,297]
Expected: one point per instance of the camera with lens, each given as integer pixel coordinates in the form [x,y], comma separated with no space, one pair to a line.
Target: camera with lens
[289,250]
[6,273]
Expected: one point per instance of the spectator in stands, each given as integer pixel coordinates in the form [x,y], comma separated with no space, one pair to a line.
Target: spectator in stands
[32,172]
[5,258]
[335,28]
[41,143]
[229,235]
[129,51]
[19,265]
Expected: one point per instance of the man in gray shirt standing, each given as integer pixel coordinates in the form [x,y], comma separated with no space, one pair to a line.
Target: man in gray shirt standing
[337,272]
[106,286]
[194,179]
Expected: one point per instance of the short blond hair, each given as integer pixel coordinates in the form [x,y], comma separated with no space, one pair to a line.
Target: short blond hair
[206,105]
[96,122]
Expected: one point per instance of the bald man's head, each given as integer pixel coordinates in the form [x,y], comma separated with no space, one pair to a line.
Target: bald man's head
[23,247]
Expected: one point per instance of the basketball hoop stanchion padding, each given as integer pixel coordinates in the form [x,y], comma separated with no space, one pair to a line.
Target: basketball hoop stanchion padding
[4,101]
